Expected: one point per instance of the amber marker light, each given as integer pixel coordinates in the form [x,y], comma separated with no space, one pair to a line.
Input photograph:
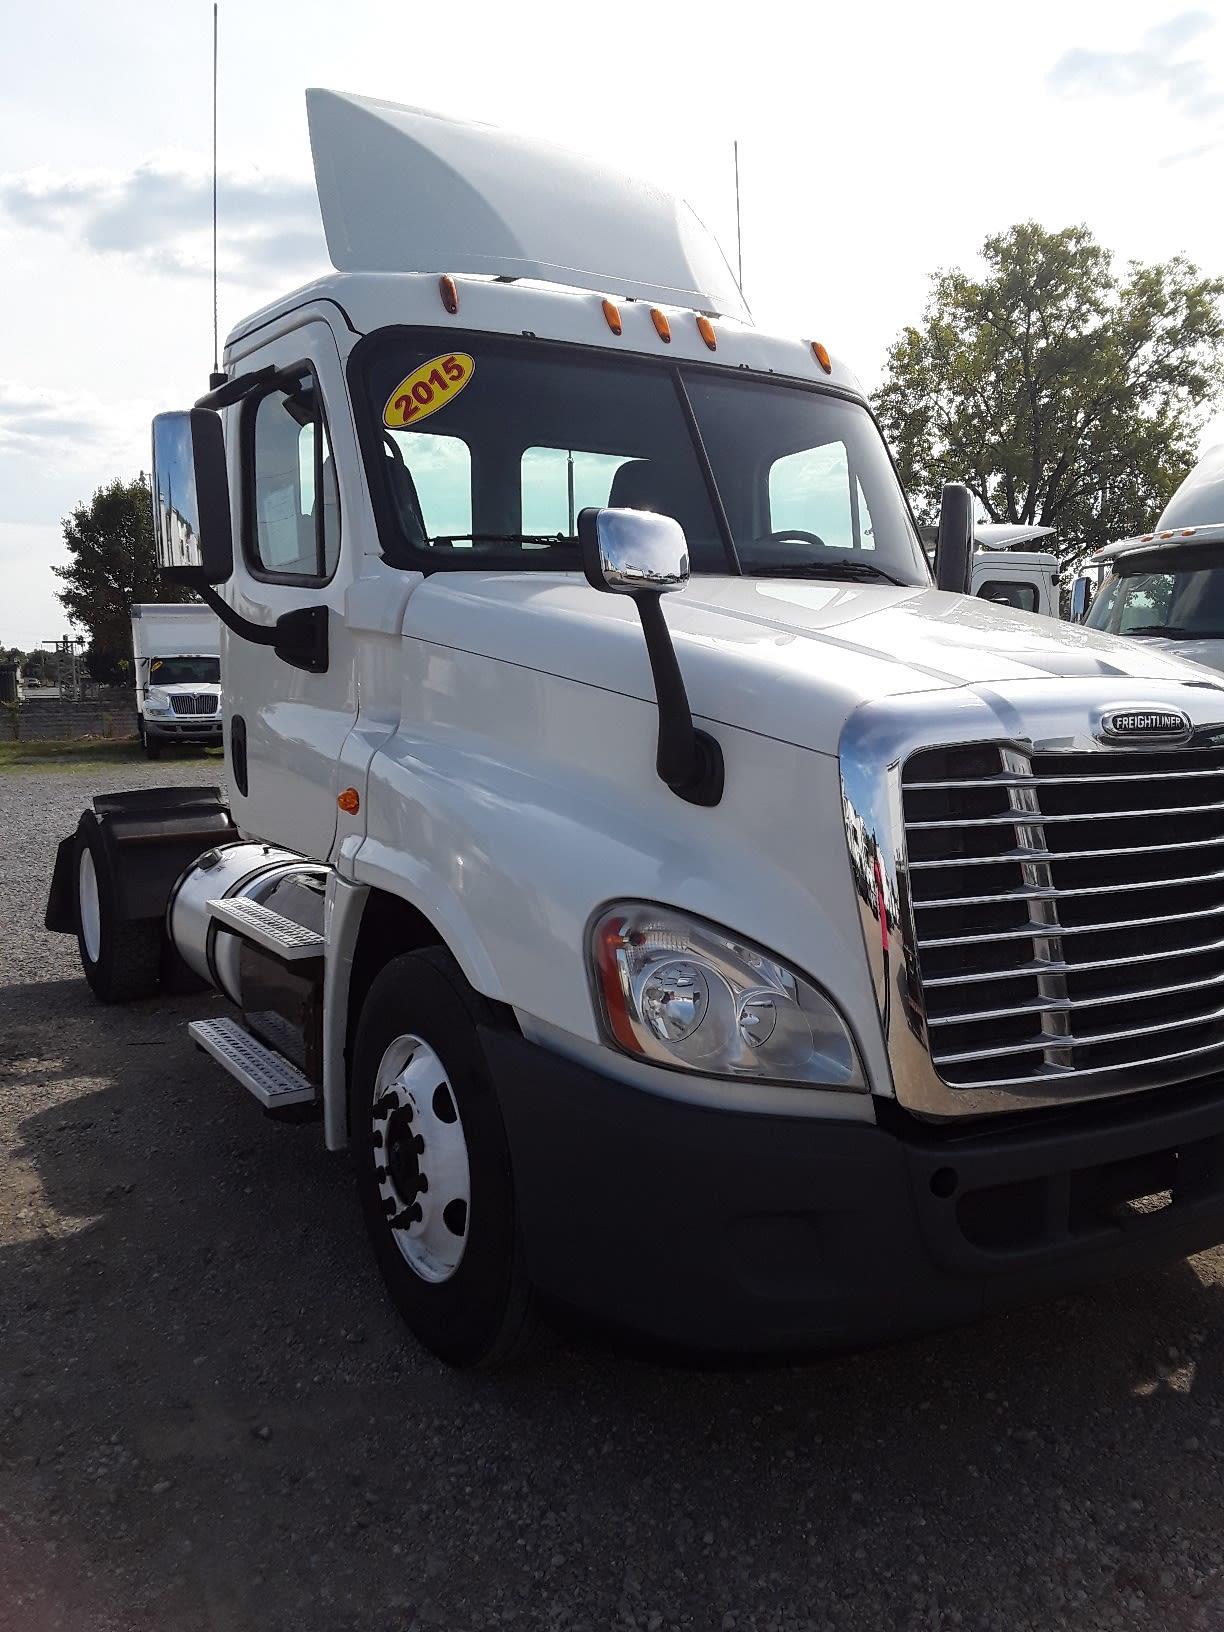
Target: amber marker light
[612,315]
[449,293]
[662,326]
[706,330]
[821,355]
[349,801]
[609,949]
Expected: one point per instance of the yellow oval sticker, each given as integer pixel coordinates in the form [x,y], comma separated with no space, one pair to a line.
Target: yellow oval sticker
[427,389]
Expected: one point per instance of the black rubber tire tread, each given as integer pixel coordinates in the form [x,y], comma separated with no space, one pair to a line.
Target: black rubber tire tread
[130,954]
[152,748]
[485,1314]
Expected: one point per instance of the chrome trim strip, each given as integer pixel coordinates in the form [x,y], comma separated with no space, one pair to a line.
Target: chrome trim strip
[1028,718]
[1043,1042]
[1082,816]
[1103,928]
[1035,968]
[1051,893]
[1004,856]
[972,1016]
[1057,781]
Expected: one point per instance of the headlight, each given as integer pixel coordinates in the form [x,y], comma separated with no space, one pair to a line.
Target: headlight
[156,702]
[681,992]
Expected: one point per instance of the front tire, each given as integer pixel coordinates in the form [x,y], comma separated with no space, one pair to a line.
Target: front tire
[121,958]
[433,1164]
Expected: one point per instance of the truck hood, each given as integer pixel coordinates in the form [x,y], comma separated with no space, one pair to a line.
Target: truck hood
[785,658]
[1207,652]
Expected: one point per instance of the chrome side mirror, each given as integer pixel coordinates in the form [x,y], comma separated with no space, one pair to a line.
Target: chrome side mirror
[191,511]
[1081,599]
[627,551]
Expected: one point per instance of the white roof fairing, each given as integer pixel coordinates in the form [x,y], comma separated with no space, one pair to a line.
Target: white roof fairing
[403,190]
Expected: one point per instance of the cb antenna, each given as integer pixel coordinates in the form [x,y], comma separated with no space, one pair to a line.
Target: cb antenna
[217,378]
[739,237]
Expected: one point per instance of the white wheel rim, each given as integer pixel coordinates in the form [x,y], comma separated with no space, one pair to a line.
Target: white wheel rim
[88,906]
[421,1159]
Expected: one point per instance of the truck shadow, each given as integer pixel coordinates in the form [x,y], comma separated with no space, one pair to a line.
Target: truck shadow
[210,1417]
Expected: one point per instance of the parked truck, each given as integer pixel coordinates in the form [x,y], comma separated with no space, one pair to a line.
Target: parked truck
[176,661]
[680,906]
[1008,570]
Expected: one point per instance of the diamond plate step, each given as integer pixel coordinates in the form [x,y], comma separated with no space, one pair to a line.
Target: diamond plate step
[271,930]
[272,1079]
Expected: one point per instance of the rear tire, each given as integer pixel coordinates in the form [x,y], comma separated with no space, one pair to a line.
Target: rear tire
[422,1108]
[122,960]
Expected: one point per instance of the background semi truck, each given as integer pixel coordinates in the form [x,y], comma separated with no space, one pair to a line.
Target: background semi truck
[176,653]
[679,905]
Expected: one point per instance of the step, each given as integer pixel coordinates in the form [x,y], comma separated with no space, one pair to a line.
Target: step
[274,1080]
[271,930]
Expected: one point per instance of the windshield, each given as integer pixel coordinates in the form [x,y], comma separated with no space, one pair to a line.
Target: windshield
[486,453]
[1180,605]
[185,671]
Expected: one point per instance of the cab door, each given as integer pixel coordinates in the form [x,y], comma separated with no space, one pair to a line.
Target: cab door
[285,726]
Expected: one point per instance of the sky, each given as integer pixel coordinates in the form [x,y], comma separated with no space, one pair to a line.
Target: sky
[878,143]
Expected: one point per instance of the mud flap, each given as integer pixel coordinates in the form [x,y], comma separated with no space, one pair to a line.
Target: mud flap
[149,837]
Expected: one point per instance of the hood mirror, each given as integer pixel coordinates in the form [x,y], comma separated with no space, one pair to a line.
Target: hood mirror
[954,545]
[625,551]
[645,556]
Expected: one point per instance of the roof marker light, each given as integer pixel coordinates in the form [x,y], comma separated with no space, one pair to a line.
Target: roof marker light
[822,356]
[1188,532]
[706,330]
[450,295]
[662,326]
[1168,533]
[611,312]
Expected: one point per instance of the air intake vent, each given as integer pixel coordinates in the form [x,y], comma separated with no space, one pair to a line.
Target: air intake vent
[1068,911]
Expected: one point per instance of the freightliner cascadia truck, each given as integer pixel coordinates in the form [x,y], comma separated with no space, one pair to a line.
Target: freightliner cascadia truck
[681,906]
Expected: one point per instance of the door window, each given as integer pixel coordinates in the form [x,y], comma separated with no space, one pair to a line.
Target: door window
[294,514]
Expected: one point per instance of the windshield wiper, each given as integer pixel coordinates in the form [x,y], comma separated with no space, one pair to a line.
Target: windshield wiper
[1175,631]
[504,538]
[861,570]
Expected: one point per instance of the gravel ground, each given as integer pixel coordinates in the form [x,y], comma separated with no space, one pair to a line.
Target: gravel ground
[209,1418]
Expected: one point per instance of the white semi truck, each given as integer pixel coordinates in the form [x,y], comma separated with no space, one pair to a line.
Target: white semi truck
[176,661]
[679,905]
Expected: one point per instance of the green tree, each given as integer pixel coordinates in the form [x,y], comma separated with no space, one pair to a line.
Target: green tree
[1058,391]
[112,566]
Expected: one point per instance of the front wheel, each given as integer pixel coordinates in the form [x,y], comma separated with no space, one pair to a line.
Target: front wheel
[433,1165]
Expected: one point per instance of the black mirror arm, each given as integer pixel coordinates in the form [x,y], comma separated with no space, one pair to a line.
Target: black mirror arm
[299,638]
[689,761]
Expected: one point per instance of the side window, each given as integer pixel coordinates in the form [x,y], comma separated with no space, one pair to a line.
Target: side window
[811,491]
[1022,596]
[559,482]
[294,520]
[432,481]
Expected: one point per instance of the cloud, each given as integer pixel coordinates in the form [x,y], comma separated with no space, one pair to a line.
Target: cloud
[160,214]
[67,428]
[1154,65]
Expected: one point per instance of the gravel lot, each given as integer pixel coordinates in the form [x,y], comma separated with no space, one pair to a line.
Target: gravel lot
[210,1419]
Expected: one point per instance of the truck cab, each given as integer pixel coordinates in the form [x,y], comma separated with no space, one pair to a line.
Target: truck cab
[684,906]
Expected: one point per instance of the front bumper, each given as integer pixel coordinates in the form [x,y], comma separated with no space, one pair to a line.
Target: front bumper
[733,1231]
[184,728]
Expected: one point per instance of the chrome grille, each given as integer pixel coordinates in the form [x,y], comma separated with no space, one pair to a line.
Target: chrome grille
[1068,910]
[193,702]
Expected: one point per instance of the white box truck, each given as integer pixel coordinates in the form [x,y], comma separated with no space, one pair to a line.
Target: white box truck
[176,660]
[679,904]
